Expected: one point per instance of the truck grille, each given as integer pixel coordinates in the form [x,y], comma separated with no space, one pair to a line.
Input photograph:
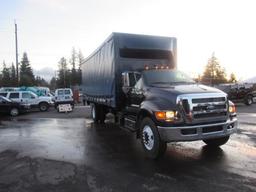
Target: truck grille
[198,107]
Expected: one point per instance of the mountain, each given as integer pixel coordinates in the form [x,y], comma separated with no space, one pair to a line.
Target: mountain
[47,73]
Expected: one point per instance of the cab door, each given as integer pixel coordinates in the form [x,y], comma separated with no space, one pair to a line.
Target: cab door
[137,94]
[25,98]
[15,96]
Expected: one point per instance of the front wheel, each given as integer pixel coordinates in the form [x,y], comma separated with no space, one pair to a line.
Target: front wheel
[43,107]
[152,144]
[14,112]
[216,142]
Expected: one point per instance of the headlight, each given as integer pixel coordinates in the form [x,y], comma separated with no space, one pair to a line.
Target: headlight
[232,107]
[166,115]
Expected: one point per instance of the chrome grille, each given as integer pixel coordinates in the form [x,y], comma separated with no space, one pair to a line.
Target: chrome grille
[211,106]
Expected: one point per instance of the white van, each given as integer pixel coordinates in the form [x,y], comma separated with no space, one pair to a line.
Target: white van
[63,96]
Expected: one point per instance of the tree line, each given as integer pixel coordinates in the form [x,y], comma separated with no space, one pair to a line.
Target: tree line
[69,71]
[215,74]
[68,74]
[9,78]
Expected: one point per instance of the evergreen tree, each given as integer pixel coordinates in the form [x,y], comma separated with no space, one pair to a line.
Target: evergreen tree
[73,70]
[80,62]
[14,81]
[53,83]
[63,74]
[6,78]
[39,81]
[232,78]
[27,77]
[214,73]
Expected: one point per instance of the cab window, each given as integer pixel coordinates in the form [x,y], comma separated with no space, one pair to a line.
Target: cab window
[67,92]
[60,92]
[26,96]
[3,94]
[14,95]
[138,85]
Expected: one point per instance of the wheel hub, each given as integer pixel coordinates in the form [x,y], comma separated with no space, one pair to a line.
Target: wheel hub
[148,137]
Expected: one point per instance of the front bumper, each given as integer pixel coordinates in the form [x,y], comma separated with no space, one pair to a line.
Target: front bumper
[198,132]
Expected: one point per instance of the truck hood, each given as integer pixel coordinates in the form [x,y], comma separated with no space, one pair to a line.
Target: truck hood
[172,92]
[44,98]
[192,88]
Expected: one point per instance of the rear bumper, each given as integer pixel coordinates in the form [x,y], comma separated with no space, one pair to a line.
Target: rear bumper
[198,132]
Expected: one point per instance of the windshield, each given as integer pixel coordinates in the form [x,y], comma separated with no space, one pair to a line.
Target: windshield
[152,77]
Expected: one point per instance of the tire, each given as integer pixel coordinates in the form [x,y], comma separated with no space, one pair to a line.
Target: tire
[14,112]
[43,107]
[98,113]
[151,142]
[102,115]
[95,113]
[216,142]
[248,100]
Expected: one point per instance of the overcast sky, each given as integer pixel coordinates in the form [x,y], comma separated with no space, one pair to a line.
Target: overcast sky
[48,29]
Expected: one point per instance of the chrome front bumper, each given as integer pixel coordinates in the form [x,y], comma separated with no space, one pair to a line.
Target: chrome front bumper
[198,132]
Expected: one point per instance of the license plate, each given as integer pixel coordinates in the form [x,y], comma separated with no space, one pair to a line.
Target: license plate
[65,108]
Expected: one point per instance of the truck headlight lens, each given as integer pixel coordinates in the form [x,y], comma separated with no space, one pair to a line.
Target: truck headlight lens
[166,115]
[232,107]
[170,114]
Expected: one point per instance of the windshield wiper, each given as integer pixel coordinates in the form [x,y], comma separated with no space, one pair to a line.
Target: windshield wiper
[183,82]
[158,82]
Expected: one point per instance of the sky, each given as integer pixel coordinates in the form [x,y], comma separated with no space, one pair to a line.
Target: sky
[48,29]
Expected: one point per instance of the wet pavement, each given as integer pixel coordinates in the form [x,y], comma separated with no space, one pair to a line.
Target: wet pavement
[58,154]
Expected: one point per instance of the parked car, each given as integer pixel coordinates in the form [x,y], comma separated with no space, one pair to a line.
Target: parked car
[12,108]
[27,97]
[63,96]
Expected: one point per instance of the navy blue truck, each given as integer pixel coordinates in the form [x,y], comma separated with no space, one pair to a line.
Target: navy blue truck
[135,77]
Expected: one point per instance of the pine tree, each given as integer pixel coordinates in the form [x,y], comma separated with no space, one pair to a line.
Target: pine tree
[63,74]
[27,77]
[6,78]
[53,83]
[80,62]
[39,81]
[14,81]
[73,64]
[232,78]
[214,73]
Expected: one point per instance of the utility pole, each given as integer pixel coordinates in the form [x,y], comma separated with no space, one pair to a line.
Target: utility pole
[16,46]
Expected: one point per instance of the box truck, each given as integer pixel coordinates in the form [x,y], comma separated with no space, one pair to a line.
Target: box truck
[135,77]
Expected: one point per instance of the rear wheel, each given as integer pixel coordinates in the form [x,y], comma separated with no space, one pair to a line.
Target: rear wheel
[152,144]
[217,141]
[98,113]
[43,106]
[248,100]
[14,112]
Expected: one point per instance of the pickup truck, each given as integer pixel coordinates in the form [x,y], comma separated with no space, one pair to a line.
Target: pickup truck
[135,77]
[240,92]
[27,97]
